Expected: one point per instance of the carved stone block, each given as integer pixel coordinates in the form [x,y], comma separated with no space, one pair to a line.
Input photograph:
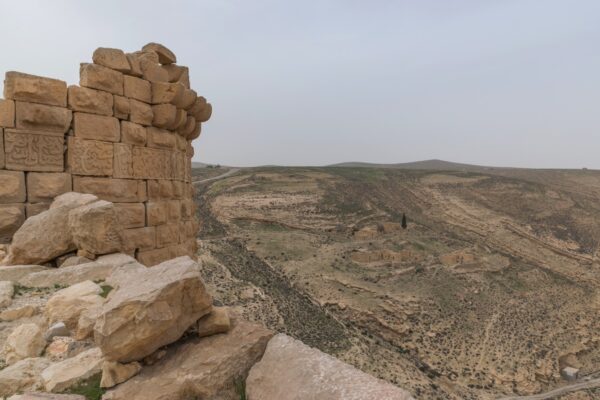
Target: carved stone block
[90,100]
[89,157]
[31,151]
[123,161]
[151,163]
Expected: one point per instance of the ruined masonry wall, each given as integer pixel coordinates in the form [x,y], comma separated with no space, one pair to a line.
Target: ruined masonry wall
[124,134]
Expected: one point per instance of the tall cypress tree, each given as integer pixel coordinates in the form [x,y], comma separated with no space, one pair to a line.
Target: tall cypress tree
[403,221]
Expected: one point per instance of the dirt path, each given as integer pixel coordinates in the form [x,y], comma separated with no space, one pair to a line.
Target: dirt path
[214,178]
[594,383]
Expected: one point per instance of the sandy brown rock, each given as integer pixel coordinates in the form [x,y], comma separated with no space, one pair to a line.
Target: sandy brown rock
[138,89]
[62,375]
[165,56]
[16,272]
[205,368]
[90,100]
[35,89]
[42,118]
[111,58]
[164,115]
[165,92]
[122,107]
[12,189]
[132,133]
[45,186]
[140,113]
[25,341]
[7,113]
[97,127]
[46,396]
[166,300]
[7,290]
[155,73]
[66,305]
[95,228]
[114,373]
[12,314]
[21,376]
[215,322]
[99,77]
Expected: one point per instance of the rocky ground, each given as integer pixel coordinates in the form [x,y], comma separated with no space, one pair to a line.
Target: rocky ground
[490,291]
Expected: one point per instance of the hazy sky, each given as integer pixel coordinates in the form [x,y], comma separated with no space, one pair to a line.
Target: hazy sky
[313,82]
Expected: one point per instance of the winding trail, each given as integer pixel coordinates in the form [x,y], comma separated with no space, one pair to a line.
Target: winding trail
[591,384]
[214,178]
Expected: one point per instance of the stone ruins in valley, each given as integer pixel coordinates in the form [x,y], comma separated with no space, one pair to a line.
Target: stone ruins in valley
[100,288]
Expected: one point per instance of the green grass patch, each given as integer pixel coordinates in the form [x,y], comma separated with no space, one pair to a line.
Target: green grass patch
[89,388]
[106,289]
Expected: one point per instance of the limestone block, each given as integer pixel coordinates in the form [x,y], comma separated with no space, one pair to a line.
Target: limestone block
[165,56]
[205,114]
[31,151]
[114,373]
[45,186]
[165,92]
[161,189]
[62,375]
[16,272]
[187,209]
[155,73]
[66,305]
[140,113]
[131,215]
[167,234]
[98,77]
[174,207]
[180,120]
[145,58]
[110,189]
[122,107]
[188,229]
[32,209]
[156,212]
[89,157]
[2,158]
[132,133]
[105,237]
[140,238]
[7,113]
[111,58]
[150,163]
[160,138]
[97,127]
[123,161]
[136,88]
[24,376]
[178,190]
[41,117]
[134,64]
[198,107]
[215,322]
[12,187]
[187,129]
[195,134]
[164,115]
[90,100]
[35,89]
[25,341]
[178,73]
[187,99]
[180,143]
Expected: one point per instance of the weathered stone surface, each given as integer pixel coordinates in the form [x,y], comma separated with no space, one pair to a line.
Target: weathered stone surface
[115,190]
[195,134]
[205,114]
[139,89]
[134,63]
[187,129]
[167,234]
[95,228]
[160,138]
[165,92]
[46,396]
[96,127]
[123,161]
[45,186]
[187,99]
[85,325]
[66,305]
[122,107]
[97,270]
[204,368]
[60,376]
[114,373]
[165,56]
[156,213]
[166,300]
[73,200]
[6,293]
[155,73]
[179,121]
[132,133]
[15,272]
[143,238]
[215,322]
[35,208]
[89,157]
[7,113]
[35,89]
[12,187]
[161,189]
[25,341]
[98,77]
[57,329]
[150,163]
[22,375]
[90,101]
[291,370]
[197,109]
[164,115]
[177,73]
[140,113]
[111,58]
[40,117]
[12,314]
[32,151]
[131,215]
[2,157]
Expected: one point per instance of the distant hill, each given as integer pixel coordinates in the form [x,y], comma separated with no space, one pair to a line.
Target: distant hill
[425,165]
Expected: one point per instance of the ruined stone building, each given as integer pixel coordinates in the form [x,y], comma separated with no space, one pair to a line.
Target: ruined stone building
[124,134]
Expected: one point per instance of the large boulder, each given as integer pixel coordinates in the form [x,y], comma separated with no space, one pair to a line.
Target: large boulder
[154,308]
[290,370]
[97,270]
[25,341]
[95,228]
[46,235]
[15,272]
[201,368]
[62,375]
[21,376]
[66,305]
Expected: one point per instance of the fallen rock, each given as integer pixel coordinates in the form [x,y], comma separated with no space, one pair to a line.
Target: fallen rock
[290,370]
[66,305]
[94,271]
[62,375]
[58,329]
[13,314]
[114,373]
[95,228]
[215,322]
[165,56]
[204,368]
[25,341]
[23,375]
[30,247]
[15,272]
[46,396]
[154,308]
[85,325]
[74,260]
[7,290]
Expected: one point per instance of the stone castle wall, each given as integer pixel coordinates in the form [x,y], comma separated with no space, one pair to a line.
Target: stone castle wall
[124,134]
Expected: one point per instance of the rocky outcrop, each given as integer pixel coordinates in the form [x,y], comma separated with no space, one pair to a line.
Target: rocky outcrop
[25,341]
[154,308]
[290,370]
[203,368]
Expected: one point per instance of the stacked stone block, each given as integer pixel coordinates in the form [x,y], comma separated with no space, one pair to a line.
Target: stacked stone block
[124,134]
